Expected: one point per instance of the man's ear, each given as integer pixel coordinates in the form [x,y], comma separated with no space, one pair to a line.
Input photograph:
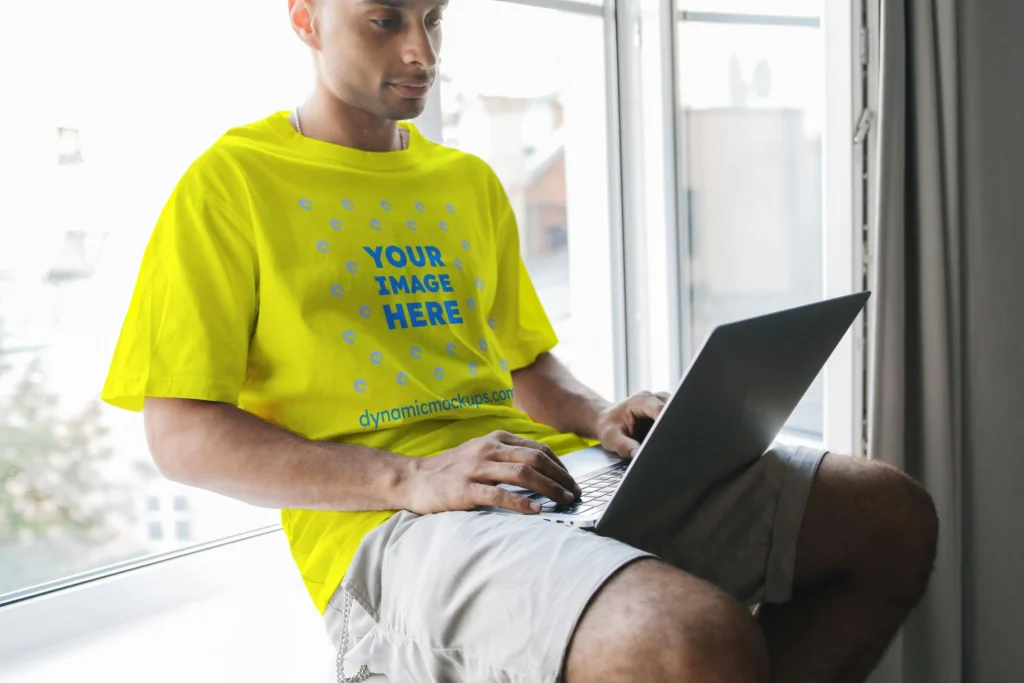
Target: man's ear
[300,12]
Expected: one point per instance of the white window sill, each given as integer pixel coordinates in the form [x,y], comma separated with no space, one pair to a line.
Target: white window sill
[232,613]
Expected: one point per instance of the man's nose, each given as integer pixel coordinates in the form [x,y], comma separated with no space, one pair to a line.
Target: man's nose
[419,48]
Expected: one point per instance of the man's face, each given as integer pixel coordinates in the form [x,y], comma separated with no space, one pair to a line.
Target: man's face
[379,56]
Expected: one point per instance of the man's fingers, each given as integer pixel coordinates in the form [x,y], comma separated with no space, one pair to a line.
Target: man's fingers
[516,440]
[484,494]
[622,445]
[650,405]
[559,472]
[541,462]
[664,396]
[523,475]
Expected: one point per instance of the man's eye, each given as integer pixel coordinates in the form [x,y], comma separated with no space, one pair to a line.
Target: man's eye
[435,22]
[384,23]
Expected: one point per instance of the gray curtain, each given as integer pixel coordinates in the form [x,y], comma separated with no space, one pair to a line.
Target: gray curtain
[948,365]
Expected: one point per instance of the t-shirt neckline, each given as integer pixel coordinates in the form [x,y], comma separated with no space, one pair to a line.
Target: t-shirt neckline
[378,161]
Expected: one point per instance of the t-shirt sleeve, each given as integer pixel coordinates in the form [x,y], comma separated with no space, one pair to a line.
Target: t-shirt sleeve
[191,317]
[521,324]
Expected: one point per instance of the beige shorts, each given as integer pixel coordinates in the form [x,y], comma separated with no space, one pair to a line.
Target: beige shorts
[487,598]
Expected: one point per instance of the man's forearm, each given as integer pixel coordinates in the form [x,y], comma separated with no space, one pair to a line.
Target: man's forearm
[548,393]
[223,449]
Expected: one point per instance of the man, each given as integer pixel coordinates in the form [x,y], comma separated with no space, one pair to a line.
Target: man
[332,318]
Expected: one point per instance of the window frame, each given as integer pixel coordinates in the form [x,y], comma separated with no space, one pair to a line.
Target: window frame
[841,239]
[656,220]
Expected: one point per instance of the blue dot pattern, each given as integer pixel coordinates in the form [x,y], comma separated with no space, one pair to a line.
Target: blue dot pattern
[361,386]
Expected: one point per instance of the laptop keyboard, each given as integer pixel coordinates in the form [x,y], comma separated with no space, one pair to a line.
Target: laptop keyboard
[597,491]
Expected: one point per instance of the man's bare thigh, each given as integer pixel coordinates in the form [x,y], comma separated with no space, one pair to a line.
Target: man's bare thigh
[648,619]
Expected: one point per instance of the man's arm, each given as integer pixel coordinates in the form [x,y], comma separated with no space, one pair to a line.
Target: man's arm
[218,447]
[221,448]
[548,393]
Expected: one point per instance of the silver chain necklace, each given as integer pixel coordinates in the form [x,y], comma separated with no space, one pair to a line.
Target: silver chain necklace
[403,140]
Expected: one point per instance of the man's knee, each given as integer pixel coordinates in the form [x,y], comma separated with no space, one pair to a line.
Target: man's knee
[915,531]
[897,529]
[869,521]
[652,622]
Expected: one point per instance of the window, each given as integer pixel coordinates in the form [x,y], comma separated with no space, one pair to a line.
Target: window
[751,123]
[88,163]
[538,116]
[69,147]
[695,149]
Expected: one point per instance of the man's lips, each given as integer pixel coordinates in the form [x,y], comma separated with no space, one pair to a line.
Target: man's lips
[411,90]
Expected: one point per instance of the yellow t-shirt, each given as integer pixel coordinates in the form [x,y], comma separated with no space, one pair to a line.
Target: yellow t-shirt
[369,298]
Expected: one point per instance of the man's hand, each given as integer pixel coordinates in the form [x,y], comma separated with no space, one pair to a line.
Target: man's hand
[617,425]
[466,476]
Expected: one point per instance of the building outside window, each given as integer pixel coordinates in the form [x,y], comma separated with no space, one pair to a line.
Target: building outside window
[751,114]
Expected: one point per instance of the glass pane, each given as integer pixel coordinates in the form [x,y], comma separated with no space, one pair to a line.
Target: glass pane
[538,117]
[752,104]
[97,132]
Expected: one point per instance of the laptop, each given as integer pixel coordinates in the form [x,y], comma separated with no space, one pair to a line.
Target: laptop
[725,413]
